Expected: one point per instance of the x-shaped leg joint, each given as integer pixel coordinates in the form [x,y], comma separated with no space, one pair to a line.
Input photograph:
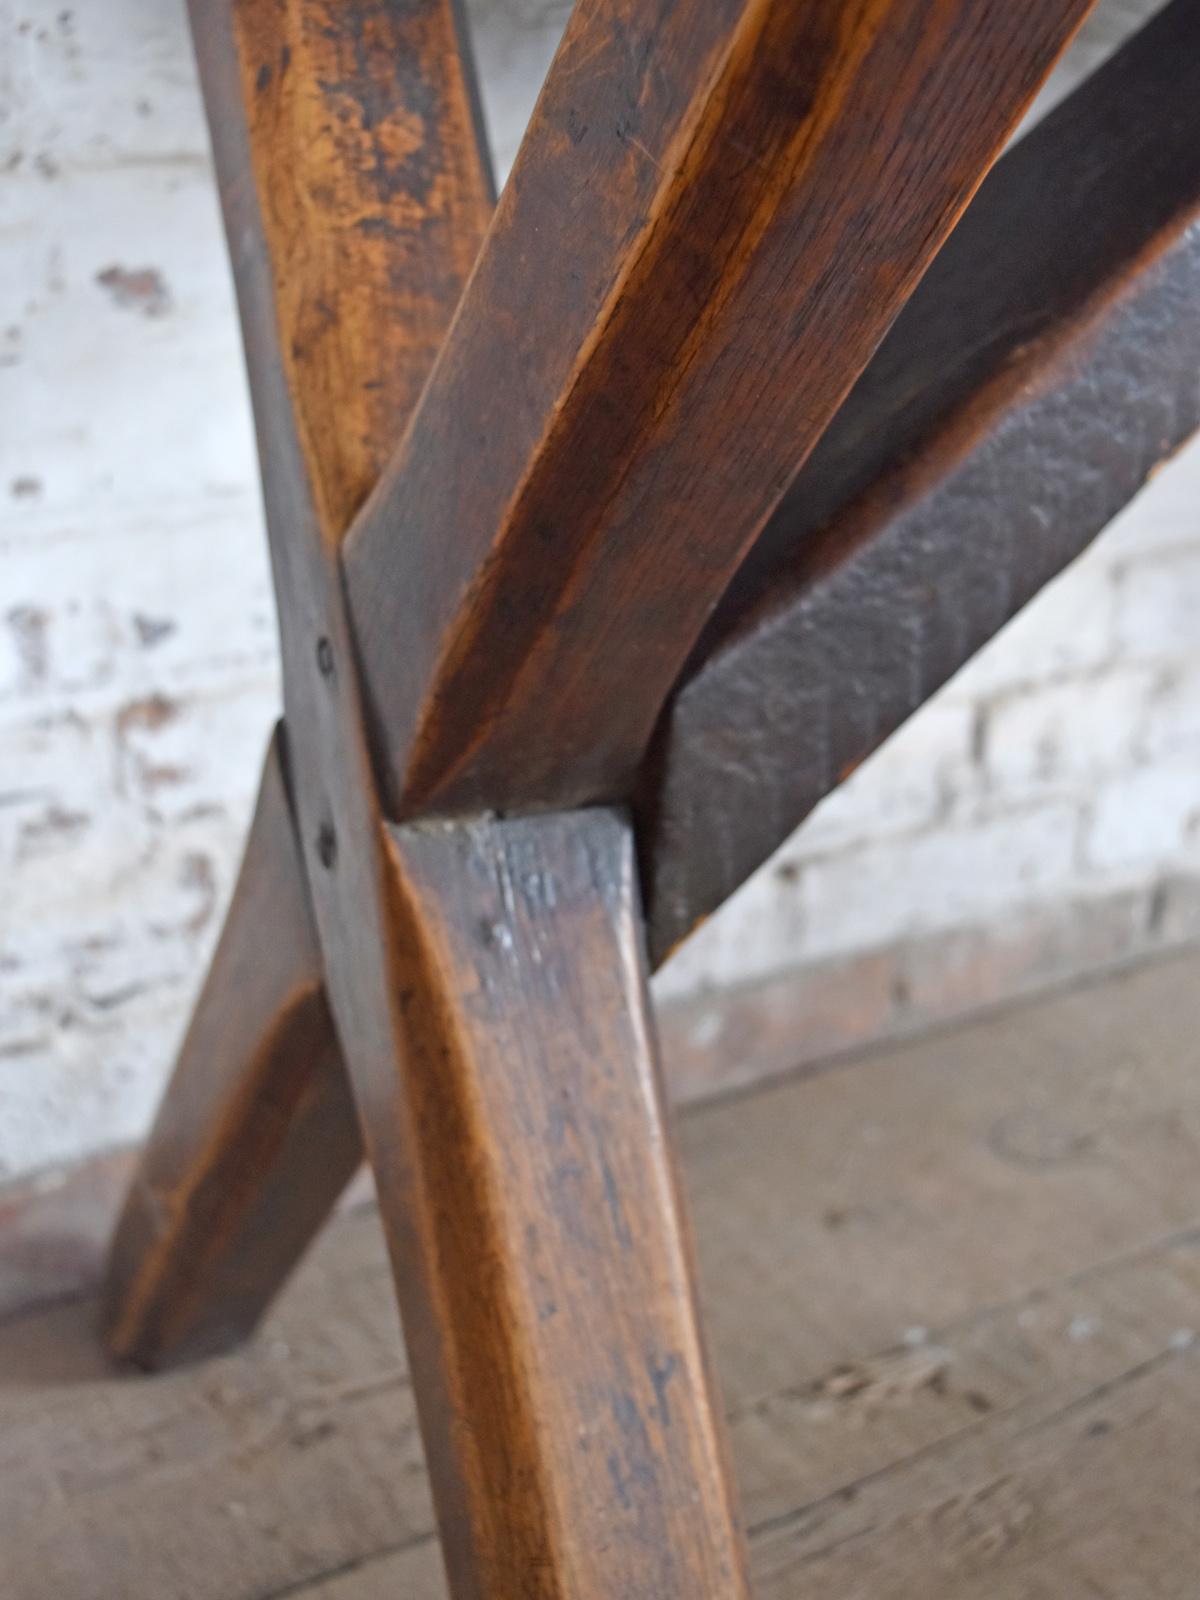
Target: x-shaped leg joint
[491,570]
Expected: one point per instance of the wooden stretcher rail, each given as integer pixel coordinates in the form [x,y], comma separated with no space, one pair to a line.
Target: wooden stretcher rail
[157,1296]
[716,213]
[1048,363]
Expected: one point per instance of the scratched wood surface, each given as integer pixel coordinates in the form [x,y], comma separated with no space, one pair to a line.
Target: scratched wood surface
[954,1293]
[558,1363]
[527,1187]
[542,1340]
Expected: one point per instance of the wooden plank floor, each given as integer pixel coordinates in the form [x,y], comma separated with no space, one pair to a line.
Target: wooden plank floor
[955,1300]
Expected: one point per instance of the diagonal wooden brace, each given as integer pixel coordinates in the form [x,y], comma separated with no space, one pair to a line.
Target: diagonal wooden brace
[356,191]
[524,1420]
[257,1136]
[717,212]
[338,343]
[1045,368]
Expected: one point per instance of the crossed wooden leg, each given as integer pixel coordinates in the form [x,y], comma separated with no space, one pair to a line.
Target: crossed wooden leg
[573,1442]
[530,564]
[256,1138]
[550,1321]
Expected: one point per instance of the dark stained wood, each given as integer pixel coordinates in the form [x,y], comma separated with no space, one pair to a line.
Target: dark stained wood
[716,213]
[1062,220]
[256,1136]
[529,1196]
[356,191]
[1047,364]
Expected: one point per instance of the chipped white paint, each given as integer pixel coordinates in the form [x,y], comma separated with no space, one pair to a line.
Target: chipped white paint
[138,672]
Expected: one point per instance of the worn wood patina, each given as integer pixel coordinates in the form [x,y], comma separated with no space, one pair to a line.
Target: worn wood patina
[1041,373]
[548,606]
[356,190]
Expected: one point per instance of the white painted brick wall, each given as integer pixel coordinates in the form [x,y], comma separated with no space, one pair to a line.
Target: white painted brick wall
[138,672]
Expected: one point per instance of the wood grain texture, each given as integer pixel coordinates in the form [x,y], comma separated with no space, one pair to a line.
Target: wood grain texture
[355,191]
[1044,369]
[525,1509]
[715,215]
[256,1137]
[532,1210]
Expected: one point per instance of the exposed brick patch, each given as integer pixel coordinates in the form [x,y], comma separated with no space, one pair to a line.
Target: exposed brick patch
[141,289]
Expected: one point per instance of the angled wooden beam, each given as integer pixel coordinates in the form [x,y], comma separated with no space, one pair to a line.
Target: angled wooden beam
[1047,365]
[257,1136]
[576,1449]
[356,191]
[715,215]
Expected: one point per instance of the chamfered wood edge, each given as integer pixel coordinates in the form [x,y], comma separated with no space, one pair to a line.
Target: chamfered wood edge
[517,626]
[881,603]
[355,189]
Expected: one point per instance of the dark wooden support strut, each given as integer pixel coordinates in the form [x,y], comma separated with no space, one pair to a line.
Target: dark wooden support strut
[1048,363]
[257,1136]
[716,213]
[574,1448]
[356,191]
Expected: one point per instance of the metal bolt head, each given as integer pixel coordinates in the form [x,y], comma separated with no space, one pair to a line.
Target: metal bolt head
[327,846]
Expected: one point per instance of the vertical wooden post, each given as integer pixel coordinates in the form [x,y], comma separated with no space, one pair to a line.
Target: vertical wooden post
[536,1224]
